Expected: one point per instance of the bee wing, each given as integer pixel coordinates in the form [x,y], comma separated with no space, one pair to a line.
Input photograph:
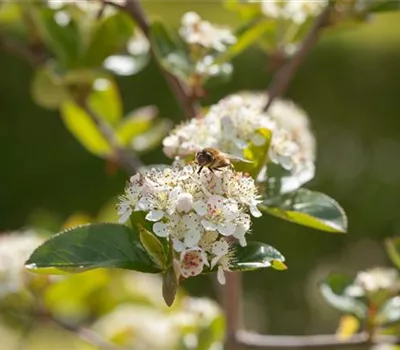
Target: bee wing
[237,159]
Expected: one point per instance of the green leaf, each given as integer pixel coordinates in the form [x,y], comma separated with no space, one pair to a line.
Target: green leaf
[152,138]
[170,51]
[170,278]
[47,89]
[63,40]
[126,65]
[93,246]
[105,100]
[393,249]
[389,313]
[382,6]
[153,247]
[135,123]
[308,208]
[255,256]
[245,39]
[79,123]
[334,291]
[109,36]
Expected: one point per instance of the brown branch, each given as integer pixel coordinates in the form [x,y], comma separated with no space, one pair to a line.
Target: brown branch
[285,75]
[20,51]
[134,8]
[252,340]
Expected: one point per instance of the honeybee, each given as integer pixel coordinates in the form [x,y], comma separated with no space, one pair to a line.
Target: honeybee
[214,159]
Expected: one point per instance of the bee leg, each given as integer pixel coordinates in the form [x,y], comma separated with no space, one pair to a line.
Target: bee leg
[212,170]
[199,171]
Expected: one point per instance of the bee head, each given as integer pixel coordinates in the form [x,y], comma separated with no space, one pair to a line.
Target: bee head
[204,157]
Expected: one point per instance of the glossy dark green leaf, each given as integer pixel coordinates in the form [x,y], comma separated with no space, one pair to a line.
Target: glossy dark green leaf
[64,40]
[93,246]
[334,291]
[47,89]
[170,51]
[256,255]
[109,36]
[393,249]
[153,247]
[308,208]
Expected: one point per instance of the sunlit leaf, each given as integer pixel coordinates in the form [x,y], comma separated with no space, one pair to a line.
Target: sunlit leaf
[393,249]
[170,51]
[105,100]
[334,291]
[47,89]
[308,208]
[135,123]
[153,246]
[126,65]
[110,35]
[170,279]
[93,246]
[389,313]
[84,129]
[153,137]
[348,326]
[255,256]
[211,333]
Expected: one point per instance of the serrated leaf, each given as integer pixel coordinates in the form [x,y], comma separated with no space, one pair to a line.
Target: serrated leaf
[393,249]
[170,51]
[135,123]
[105,100]
[84,129]
[47,89]
[109,36]
[153,247]
[93,246]
[256,255]
[308,208]
[334,291]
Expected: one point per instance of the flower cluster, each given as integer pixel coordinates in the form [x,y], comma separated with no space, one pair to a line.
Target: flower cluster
[233,124]
[296,11]
[196,31]
[202,213]
[14,250]
[373,281]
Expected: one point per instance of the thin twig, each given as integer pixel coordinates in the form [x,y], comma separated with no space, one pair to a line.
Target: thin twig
[88,335]
[134,8]
[20,51]
[284,76]
[252,340]
[122,156]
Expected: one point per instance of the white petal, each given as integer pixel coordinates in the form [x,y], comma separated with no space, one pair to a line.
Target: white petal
[144,204]
[221,275]
[208,225]
[184,202]
[214,261]
[154,215]
[125,216]
[220,247]
[258,140]
[178,245]
[200,207]
[255,211]
[161,229]
[216,201]
[227,229]
[192,238]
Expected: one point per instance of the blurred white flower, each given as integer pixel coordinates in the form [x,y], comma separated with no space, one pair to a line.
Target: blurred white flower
[90,7]
[196,31]
[15,249]
[234,123]
[373,281]
[295,10]
[138,45]
[195,210]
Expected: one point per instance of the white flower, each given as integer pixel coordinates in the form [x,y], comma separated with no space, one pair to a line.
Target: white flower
[194,30]
[374,280]
[296,11]
[194,210]
[14,251]
[233,124]
[192,262]
[138,45]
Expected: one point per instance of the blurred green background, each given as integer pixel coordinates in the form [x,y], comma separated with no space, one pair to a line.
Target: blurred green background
[350,87]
